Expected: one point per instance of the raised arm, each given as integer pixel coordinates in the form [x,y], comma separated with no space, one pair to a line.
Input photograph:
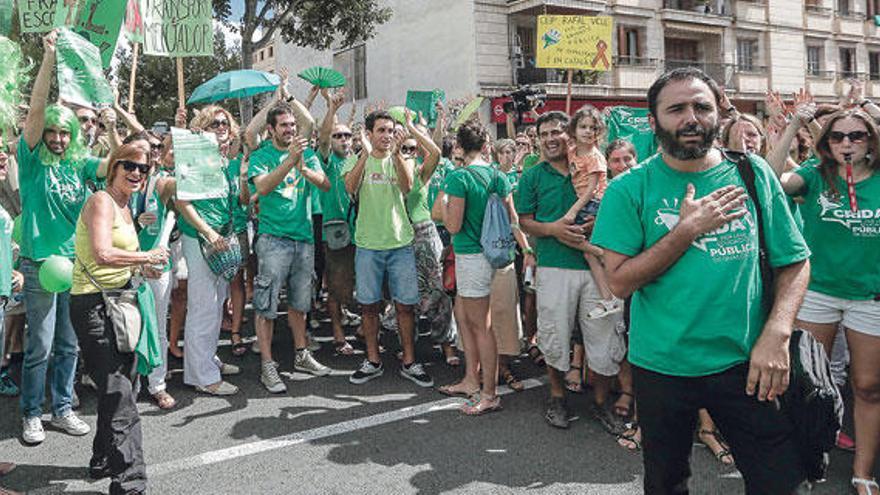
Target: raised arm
[36,116]
[355,176]
[433,156]
[333,104]
[402,166]
[128,119]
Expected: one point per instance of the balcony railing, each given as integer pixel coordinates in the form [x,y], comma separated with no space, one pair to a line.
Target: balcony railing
[721,73]
[628,61]
[701,6]
[532,75]
[820,74]
[855,16]
[751,69]
[818,9]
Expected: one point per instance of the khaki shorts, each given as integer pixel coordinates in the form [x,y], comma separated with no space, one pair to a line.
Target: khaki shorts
[564,298]
[339,273]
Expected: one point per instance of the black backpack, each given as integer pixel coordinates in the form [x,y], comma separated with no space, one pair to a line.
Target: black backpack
[812,402]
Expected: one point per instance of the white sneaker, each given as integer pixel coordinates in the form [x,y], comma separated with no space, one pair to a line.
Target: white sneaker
[229,369]
[32,431]
[306,363]
[255,347]
[71,424]
[220,388]
[270,379]
[605,308]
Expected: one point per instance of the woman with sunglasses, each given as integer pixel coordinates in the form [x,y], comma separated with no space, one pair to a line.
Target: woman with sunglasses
[842,228]
[206,291]
[106,247]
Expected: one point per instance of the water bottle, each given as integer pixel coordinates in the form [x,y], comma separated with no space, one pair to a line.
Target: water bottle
[153,207]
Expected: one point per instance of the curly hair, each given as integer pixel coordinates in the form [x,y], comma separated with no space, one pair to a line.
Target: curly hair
[205,117]
[593,113]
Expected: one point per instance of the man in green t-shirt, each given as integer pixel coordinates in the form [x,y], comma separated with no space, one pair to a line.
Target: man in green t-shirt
[680,235]
[54,167]
[284,174]
[380,177]
[566,290]
[334,148]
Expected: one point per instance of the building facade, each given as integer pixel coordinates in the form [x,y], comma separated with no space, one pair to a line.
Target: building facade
[487,48]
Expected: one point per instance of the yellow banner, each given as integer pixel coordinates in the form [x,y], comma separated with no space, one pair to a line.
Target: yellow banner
[574,42]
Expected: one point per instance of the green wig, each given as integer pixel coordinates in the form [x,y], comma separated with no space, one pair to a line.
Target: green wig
[64,118]
[13,78]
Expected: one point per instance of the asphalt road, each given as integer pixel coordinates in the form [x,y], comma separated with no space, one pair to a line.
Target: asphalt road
[326,436]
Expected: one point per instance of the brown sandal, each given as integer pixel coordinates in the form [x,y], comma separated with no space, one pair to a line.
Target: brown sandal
[512,381]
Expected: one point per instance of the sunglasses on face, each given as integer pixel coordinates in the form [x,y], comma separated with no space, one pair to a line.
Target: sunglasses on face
[130,166]
[408,149]
[218,124]
[342,135]
[156,147]
[854,137]
[83,120]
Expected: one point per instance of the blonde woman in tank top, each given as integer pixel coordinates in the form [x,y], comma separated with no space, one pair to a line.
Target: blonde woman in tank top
[107,246]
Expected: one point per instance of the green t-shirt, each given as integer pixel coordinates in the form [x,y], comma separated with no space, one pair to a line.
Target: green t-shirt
[5,254]
[545,193]
[703,314]
[444,168]
[335,202]
[512,176]
[845,244]
[287,210]
[215,212]
[471,184]
[530,161]
[148,237]
[382,222]
[417,201]
[239,211]
[52,197]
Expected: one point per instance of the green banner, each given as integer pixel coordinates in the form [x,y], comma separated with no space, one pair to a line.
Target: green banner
[40,16]
[424,103]
[175,28]
[134,22]
[5,17]
[198,166]
[632,124]
[80,77]
[99,21]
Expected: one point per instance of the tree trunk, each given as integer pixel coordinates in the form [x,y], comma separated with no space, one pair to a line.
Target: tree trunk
[246,105]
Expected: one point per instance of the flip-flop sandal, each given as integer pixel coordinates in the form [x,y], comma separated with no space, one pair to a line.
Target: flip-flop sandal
[629,435]
[164,400]
[238,348]
[536,355]
[512,381]
[574,386]
[343,348]
[482,407]
[724,449]
[449,391]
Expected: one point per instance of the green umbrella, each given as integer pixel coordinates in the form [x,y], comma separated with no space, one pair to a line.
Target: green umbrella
[235,84]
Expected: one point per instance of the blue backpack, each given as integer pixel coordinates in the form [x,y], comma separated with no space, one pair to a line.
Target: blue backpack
[496,236]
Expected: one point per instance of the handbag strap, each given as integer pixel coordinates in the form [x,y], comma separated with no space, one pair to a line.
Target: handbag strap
[89,275]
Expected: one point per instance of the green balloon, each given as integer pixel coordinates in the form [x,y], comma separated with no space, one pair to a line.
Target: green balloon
[16,230]
[56,274]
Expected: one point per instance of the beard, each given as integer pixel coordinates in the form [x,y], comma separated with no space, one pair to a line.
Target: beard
[671,145]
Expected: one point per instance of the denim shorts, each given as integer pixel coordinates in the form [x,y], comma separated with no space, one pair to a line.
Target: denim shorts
[281,260]
[399,264]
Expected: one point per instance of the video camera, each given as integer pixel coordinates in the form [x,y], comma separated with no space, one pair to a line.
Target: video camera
[523,100]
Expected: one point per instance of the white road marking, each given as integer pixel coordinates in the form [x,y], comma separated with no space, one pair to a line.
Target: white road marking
[262,446]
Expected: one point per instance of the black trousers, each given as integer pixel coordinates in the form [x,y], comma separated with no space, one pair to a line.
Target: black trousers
[760,436]
[118,444]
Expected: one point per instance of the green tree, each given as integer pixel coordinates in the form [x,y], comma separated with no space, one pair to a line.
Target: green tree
[309,23]
[156,81]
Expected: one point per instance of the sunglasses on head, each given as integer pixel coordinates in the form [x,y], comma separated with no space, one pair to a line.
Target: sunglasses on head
[854,137]
[408,149]
[342,135]
[218,123]
[130,166]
